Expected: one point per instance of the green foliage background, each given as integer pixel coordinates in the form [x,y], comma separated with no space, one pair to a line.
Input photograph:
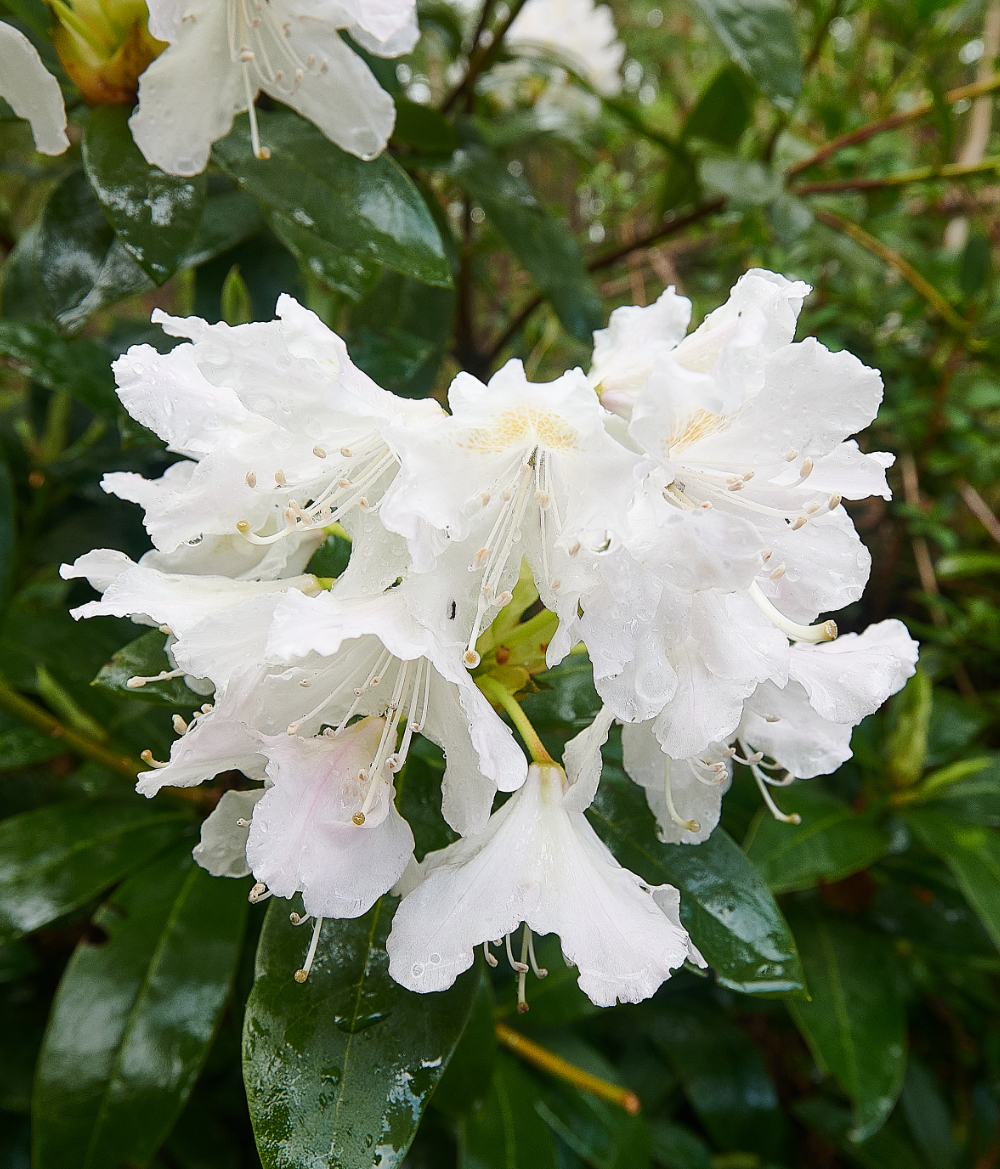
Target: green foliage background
[850,1016]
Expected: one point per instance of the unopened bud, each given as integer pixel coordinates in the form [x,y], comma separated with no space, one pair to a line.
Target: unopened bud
[104,46]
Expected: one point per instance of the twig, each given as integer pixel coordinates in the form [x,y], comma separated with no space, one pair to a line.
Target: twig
[950,170]
[548,1061]
[863,133]
[498,694]
[891,257]
[35,716]
[481,57]
[979,508]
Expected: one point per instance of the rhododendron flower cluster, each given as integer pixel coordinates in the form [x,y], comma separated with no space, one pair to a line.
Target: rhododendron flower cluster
[679,511]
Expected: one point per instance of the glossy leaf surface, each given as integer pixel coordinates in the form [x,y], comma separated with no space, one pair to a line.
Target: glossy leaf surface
[831,842]
[725,904]
[79,367]
[972,852]
[145,657]
[370,210]
[155,215]
[80,263]
[342,1065]
[61,856]
[541,243]
[507,1132]
[855,1024]
[135,1015]
[760,37]
[722,1073]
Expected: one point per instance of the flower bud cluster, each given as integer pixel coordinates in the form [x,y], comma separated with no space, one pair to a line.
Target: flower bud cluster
[680,513]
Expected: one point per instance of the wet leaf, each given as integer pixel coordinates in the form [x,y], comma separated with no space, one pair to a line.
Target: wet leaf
[346,1062]
[145,658]
[155,215]
[760,37]
[370,210]
[59,857]
[135,1015]
[507,1132]
[81,367]
[831,842]
[725,904]
[855,1023]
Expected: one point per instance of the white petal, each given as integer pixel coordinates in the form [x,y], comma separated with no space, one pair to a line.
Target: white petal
[645,763]
[706,709]
[303,838]
[32,91]
[537,863]
[783,725]
[344,100]
[583,762]
[213,745]
[223,846]
[101,567]
[850,678]
[190,94]
[847,472]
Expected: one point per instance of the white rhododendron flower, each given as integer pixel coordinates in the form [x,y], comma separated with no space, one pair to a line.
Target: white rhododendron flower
[31,90]
[221,53]
[678,514]
[580,31]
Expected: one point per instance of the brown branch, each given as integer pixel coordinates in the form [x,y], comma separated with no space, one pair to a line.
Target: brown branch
[482,56]
[979,508]
[606,261]
[863,133]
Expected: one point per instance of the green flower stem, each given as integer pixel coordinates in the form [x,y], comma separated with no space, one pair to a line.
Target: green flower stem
[502,697]
[548,1061]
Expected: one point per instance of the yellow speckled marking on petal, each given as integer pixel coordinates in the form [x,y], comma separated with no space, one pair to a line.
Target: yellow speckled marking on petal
[696,427]
[522,426]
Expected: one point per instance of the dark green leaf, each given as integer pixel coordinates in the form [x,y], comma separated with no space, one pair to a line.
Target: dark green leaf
[975,798]
[81,367]
[722,1073]
[566,702]
[725,904]
[507,1132]
[544,245]
[723,111]
[331,558]
[135,1015]
[831,842]
[972,852]
[23,746]
[59,857]
[145,658]
[676,1147]
[423,129]
[887,1149]
[370,210]
[466,1082]
[975,265]
[337,269]
[155,215]
[760,37]
[346,1062]
[229,218]
[400,333]
[604,1135]
[927,1116]
[8,530]
[855,1023]
[82,266]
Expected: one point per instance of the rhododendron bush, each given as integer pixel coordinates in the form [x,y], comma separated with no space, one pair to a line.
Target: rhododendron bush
[498,656]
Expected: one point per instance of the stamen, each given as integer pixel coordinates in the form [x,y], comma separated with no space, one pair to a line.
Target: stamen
[823,631]
[522,976]
[778,572]
[138,681]
[520,967]
[807,468]
[690,825]
[540,971]
[251,479]
[319,452]
[773,808]
[147,758]
[835,501]
[490,959]
[299,919]
[279,478]
[179,725]
[259,892]
[303,974]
